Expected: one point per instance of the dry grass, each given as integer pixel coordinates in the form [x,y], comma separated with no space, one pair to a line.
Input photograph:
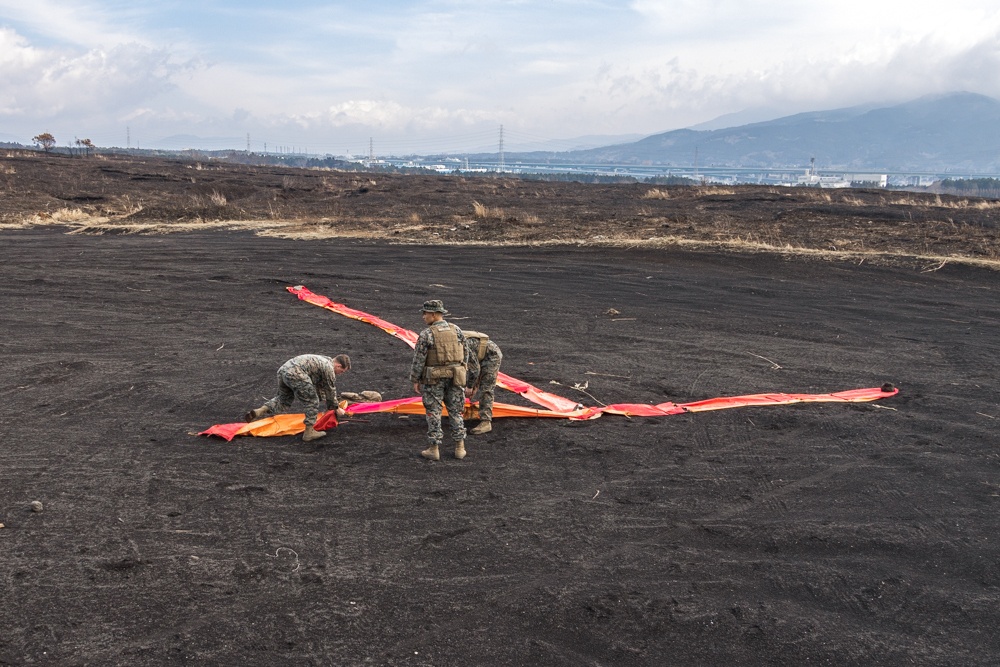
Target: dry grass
[917,202]
[768,241]
[656,193]
[128,206]
[978,205]
[709,190]
[486,212]
[73,217]
[262,227]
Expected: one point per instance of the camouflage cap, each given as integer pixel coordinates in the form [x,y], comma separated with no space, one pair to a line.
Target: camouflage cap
[434,306]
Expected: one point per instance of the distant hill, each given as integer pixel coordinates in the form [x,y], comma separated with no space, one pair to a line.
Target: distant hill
[953,132]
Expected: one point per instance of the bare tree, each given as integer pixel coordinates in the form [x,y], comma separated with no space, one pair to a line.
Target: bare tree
[45,140]
[86,144]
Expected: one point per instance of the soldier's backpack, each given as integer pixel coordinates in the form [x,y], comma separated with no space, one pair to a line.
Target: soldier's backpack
[483,340]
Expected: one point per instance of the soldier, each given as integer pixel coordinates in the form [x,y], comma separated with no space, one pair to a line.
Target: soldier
[438,374]
[311,378]
[482,370]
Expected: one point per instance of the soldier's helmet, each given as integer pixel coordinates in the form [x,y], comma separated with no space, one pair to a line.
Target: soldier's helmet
[434,306]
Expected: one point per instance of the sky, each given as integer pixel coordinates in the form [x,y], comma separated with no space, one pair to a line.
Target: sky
[427,76]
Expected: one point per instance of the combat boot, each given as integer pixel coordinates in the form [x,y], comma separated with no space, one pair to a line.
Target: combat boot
[255,414]
[431,453]
[460,450]
[312,434]
[484,426]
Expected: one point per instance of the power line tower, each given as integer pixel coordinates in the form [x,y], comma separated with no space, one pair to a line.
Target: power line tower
[371,150]
[248,142]
[501,167]
[128,137]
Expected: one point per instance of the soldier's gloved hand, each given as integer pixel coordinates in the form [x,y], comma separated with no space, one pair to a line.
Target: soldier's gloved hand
[341,412]
[469,391]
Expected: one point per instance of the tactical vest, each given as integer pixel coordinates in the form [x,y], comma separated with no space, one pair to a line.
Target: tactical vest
[482,339]
[444,359]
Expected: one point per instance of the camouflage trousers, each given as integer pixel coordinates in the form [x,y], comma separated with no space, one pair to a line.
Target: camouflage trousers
[489,368]
[295,384]
[448,393]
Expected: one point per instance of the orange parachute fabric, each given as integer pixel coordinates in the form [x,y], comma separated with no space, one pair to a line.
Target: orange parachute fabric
[292,424]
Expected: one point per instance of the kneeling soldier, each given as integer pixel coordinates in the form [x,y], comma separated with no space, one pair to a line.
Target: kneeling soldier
[438,375]
[311,378]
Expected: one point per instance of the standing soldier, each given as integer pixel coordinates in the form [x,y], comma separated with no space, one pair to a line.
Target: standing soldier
[438,374]
[311,378]
[483,368]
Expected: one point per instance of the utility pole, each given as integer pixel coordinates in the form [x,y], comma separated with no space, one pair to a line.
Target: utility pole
[501,169]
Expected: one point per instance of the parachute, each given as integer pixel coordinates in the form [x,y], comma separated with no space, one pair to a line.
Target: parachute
[551,405]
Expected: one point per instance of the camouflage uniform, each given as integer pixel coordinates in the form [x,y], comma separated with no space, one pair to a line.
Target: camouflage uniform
[438,391]
[483,373]
[309,378]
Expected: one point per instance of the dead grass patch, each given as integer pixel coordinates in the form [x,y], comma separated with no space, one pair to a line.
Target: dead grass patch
[74,217]
[153,228]
[127,206]
[978,205]
[656,193]
[938,202]
[709,190]
[484,212]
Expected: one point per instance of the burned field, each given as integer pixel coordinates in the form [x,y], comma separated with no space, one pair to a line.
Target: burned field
[806,534]
[117,195]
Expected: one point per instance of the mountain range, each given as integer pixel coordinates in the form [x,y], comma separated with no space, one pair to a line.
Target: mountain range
[955,132]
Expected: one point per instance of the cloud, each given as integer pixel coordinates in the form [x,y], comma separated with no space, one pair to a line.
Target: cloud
[47,83]
[648,92]
[83,24]
[331,71]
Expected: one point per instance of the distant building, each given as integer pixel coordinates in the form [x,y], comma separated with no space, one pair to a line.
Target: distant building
[814,180]
[876,180]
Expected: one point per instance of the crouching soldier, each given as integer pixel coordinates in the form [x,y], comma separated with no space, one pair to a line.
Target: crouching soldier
[482,370]
[310,378]
[438,375]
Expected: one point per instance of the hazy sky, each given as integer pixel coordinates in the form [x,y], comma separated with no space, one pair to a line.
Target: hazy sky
[425,75]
